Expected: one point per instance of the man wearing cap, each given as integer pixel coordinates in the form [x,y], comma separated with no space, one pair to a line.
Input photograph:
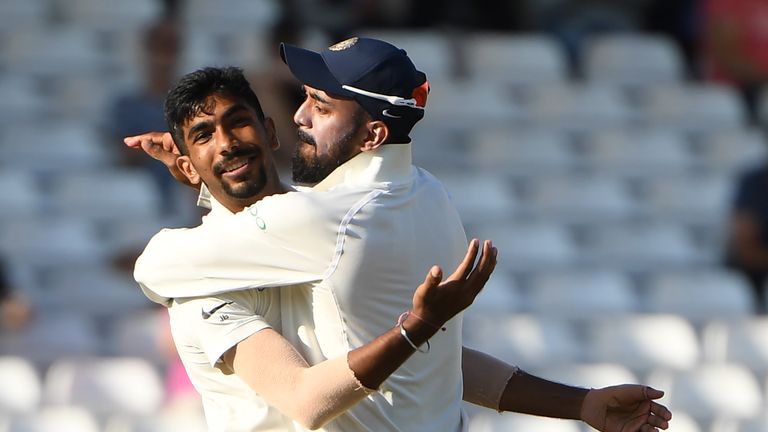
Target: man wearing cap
[363,98]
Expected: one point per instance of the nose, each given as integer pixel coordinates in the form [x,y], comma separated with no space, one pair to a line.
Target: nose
[301,116]
[226,140]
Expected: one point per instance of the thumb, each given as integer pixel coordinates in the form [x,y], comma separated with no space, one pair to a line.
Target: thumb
[652,393]
[434,277]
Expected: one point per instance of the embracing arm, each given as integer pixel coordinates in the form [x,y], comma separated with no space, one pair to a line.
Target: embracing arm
[315,395]
[492,383]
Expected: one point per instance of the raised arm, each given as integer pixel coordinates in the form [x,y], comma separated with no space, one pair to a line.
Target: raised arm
[492,383]
[315,395]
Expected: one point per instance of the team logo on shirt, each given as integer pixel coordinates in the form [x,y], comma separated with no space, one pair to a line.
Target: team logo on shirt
[254,211]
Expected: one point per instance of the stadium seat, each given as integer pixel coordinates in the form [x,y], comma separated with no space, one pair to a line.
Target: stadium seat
[501,294]
[581,294]
[138,334]
[22,196]
[20,15]
[233,14]
[120,385]
[519,60]
[51,242]
[711,391]
[743,341]
[471,106]
[25,101]
[579,107]
[632,60]
[644,342]
[638,153]
[731,151]
[59,419]
[111,15]
[481,197]
[699,295]
[164,422]
[690,198]
[523,339]
[501,422]
[522,151]
[51,336]
[582,199]
[54,52]
[21,389]
[695,108]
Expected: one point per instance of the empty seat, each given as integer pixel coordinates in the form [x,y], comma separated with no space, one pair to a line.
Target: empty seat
[57,52]
[18,15]
[632,60]
[576,198]
[51,242]
[471,106]
[731,151]
[107,195]
[591,375]
[501,294]
[522,339]
[712,391]
[121,385]
[532,246]
[691,198]
[233,14]
[581,294]
[693,107]
[187,421]
[111,15]
[22,197]
[24,101]
[139,334]
[579,107]
[644,342]
[52,335]
[60,419]
[21,389]
[515,59]
[498,422]
[522,151]
[743,341]
[700,295]
[638,153]
[483,197]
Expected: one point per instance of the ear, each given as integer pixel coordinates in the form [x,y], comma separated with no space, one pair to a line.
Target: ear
[184,164]
[269,128]
[378,132]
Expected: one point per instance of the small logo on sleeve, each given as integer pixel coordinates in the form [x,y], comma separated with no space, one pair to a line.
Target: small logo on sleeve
[207,314]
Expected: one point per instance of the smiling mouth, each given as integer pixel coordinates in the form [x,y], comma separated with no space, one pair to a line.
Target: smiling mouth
[236,166]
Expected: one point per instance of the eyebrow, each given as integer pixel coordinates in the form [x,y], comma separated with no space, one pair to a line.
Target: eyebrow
[198,127]
[316,96]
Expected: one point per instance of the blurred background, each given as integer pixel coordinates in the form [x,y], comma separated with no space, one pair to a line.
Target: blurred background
[614,151]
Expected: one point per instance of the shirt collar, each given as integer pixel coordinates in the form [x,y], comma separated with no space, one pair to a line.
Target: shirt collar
[390,163]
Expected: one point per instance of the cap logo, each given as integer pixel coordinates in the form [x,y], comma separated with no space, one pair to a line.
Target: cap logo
[343,44]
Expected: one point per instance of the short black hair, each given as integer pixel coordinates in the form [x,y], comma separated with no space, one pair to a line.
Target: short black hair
[189,97]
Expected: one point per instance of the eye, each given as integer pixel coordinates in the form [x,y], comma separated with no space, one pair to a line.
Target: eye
[202,137]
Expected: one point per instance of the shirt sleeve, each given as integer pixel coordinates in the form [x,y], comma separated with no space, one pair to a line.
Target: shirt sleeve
[285,239]
[221,322]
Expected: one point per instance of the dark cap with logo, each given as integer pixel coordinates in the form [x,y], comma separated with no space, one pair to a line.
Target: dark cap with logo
[376,74]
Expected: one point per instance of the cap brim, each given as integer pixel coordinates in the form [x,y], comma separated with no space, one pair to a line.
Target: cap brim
[310,68]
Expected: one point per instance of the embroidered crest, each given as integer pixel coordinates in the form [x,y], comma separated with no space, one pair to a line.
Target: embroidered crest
[343,44]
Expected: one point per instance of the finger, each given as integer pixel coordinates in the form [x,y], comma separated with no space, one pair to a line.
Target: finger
[632,393]
[465,267]
[652,393]
[434,276]
[648,428]
[487,263]
[132,142]
[658,422]
[661,411]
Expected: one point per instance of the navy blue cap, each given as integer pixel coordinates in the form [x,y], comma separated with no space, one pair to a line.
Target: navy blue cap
[376,74]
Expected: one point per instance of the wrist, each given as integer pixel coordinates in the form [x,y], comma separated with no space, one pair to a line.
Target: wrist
[417,331]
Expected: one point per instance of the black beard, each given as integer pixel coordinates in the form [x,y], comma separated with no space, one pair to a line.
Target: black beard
[313,169]
[248,189]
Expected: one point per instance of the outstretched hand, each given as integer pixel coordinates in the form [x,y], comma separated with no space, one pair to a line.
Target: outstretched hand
[160,146]
[437,302]
[625,408]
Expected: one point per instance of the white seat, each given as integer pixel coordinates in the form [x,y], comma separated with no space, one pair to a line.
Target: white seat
[577,198]
[531,246]
[731,151]
[683,422]
[57,52]
[757,424]
[522,339]
[581,294]
[107,195]
[579,107]
[495,422]
[644,342]
[520,151]
[594,375]
[483,197]
[711,391]
[21,389]
[17,15]
[22,197]
[139,334]
[470,106]
[60,419]
[121,385]
[691,198]
[643,246]
[191,421]
[24,100]
[51,242]
[700,295]
[515,59]
[112,15]
[56,147]
[233,14]
[632,59]
[638,153]
[693,107]
[51,336]
[501,294]
[743,341]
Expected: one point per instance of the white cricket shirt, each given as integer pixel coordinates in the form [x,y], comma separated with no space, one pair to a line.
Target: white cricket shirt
[365,237]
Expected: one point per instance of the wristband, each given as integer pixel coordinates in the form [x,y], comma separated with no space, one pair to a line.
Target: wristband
[403,333]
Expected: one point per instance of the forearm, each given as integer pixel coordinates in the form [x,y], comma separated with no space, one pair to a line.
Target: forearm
[529,394]
[485,378]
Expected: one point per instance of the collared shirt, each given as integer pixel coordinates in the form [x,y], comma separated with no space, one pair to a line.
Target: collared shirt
[365,238]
